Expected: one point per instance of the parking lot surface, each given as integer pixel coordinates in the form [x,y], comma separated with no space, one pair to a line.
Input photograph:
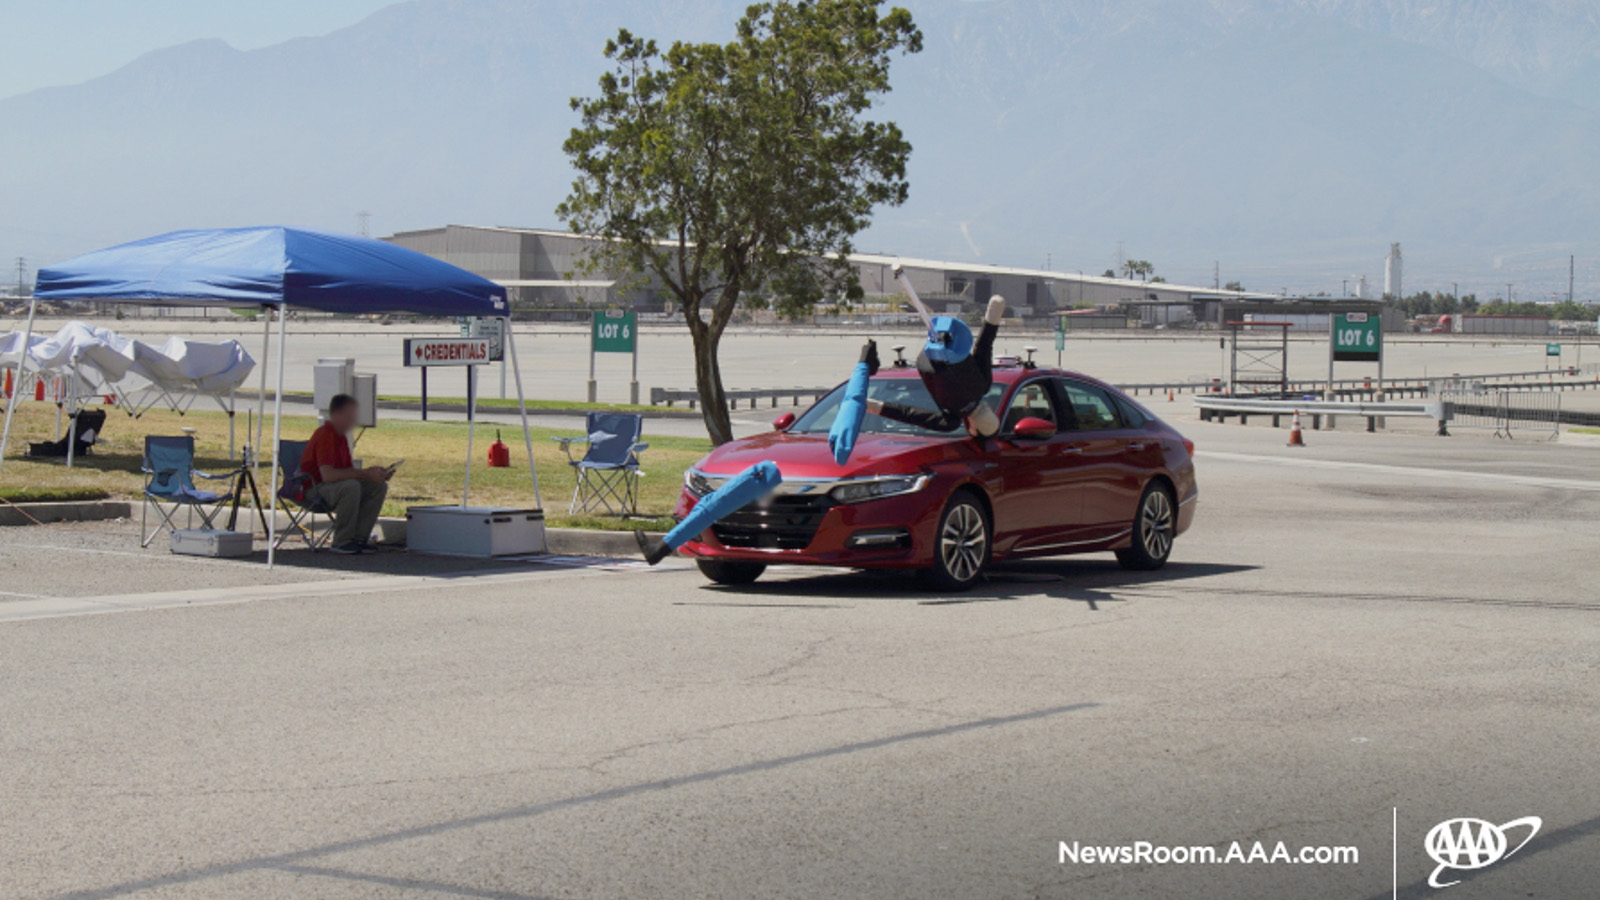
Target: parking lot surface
[1374,631]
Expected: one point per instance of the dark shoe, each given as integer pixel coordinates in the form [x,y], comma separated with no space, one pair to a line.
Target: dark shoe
[654,551]
[350,549]
[869,355]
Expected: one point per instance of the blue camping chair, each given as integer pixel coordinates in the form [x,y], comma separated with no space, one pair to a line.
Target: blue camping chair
[301,509]
[608,474]
[169,486]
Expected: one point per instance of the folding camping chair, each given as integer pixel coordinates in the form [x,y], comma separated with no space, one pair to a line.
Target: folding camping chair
[301,509]
[608,474]
[169,465]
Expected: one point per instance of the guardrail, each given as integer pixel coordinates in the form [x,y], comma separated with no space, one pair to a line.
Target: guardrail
[670,396]
[1219,406]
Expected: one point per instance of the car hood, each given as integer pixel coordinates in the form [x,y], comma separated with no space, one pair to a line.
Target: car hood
[808,456]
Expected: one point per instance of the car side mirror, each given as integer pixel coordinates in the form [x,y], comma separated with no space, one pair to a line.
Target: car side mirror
[783,422]
[1033,428]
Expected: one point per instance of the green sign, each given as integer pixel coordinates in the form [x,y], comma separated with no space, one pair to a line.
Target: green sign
[1552,349]
[615,331]
[1061,340]
[1357,337]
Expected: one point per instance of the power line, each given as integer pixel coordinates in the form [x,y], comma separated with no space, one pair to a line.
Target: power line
[363,223]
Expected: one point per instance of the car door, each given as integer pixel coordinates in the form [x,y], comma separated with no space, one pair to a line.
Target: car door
[1110,483]
[1038,505]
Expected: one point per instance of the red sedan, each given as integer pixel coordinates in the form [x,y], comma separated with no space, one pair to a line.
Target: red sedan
[1078,467]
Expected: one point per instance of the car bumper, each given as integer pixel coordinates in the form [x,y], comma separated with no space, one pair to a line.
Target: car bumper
[849,535]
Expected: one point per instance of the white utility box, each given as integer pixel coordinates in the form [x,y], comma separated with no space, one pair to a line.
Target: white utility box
[212,542]
[474,531]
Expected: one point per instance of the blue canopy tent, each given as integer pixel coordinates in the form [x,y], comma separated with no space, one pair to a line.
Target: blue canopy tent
[276,268]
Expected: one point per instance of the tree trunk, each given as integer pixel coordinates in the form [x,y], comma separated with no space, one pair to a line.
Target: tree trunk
[708,381]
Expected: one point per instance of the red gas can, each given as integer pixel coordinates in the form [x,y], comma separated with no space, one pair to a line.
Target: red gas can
[499,454]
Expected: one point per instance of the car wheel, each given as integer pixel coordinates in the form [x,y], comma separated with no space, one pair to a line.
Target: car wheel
[729,572]
[961,546]
[1154,527]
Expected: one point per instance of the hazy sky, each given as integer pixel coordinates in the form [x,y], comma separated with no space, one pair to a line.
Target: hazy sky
[53,42]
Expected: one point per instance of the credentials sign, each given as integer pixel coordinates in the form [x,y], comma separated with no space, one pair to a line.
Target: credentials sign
[447,352]
[1552,349]
[615,331]
[1357,337]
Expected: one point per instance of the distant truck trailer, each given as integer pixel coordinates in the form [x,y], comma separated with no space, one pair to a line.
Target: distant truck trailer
[1530,326]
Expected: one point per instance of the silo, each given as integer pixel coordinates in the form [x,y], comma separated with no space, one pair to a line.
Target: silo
[1391,273]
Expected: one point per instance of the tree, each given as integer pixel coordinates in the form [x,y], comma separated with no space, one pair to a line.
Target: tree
[1138,268]
[729,169]
[1110,273]
[1233,286]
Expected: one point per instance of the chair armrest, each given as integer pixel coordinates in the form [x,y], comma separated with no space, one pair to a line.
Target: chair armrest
[565,441]
[222,477]
[637,448]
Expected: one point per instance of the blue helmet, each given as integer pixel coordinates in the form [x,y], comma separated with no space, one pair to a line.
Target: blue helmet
[949,341]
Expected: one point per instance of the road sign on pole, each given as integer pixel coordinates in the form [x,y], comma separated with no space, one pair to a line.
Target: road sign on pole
[614,331]
[1357,337]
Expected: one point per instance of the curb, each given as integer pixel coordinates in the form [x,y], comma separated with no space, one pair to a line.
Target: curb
[461,408]
[64,511]
[559,541]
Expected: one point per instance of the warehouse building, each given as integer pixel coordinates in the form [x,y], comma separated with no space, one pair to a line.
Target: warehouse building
[541,269]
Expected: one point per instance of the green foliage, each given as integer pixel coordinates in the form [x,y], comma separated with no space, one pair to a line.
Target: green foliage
[726,170]
[1141,269]
[1428,303]
[1233,286]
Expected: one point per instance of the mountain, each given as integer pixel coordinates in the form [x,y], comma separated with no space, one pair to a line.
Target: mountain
[1291,140]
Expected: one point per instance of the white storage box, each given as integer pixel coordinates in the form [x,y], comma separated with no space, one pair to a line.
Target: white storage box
[211,542]
[474,531]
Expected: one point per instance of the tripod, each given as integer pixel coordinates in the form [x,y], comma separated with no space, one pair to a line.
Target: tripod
[246,475]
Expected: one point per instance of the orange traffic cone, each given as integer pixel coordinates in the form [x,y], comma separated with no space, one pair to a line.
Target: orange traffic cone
[1169,395]
[1296,437]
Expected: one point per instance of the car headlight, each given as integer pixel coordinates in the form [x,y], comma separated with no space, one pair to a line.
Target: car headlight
[697,483]
[875,488]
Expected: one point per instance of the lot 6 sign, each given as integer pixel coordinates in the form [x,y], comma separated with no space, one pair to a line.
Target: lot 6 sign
[614,331]
[1357,337]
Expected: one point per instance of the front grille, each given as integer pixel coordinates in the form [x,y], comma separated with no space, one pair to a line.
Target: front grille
[780,523]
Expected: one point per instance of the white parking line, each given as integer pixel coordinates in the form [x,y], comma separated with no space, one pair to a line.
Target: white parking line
[1573,484]
[43,607]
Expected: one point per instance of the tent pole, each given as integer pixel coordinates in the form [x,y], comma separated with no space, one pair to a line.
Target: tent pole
[72,417]
[522,407]
[16,386]
[231,404]
[261,396]
[277,434]
[472,404]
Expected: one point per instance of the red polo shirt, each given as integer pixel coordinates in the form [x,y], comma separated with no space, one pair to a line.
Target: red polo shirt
[327,447]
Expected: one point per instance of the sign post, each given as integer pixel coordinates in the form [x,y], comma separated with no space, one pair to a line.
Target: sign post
[1061,338]
[614,331]
[469,352]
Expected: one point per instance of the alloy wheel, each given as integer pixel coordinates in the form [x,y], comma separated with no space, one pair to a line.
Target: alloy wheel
[964,542]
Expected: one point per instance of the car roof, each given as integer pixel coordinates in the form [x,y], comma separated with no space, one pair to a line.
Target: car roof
[1006,374]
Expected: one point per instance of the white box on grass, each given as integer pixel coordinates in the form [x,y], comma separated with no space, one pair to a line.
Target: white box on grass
[474,531]
[212,542]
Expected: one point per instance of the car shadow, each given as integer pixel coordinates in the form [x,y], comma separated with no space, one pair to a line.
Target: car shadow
[1089,581]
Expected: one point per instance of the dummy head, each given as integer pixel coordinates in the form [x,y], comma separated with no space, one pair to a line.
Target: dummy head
[949,341]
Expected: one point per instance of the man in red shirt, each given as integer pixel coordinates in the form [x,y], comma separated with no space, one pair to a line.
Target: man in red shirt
[354,495]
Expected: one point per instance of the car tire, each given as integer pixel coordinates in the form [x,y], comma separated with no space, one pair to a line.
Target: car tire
[962,545]
[1155,526]
[721,571]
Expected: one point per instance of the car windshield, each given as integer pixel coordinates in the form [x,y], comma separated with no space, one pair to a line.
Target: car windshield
[905,391]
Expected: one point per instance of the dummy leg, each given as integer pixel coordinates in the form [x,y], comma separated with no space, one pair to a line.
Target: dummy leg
[748,486]
[853,408]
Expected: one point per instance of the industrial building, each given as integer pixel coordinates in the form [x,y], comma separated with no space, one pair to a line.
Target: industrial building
[541,269]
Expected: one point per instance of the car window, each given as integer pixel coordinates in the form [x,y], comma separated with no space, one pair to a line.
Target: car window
[905,391]
[1093,408]
[1133,415]
[1032,400]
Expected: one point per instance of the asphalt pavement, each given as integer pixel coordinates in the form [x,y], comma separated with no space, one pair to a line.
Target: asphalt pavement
[1357,641]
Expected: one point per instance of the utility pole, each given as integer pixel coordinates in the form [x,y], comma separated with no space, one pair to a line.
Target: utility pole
[1508,292]
[1216,275]
[1572,267]
[363,223]
[22,274]
[1455,290]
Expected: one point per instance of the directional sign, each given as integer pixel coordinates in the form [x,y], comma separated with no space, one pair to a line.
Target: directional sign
[1552,349]
[615,331]
[446,352]
[1357,337]
[489,329]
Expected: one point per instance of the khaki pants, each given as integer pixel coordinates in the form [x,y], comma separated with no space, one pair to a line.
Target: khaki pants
[355,504]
